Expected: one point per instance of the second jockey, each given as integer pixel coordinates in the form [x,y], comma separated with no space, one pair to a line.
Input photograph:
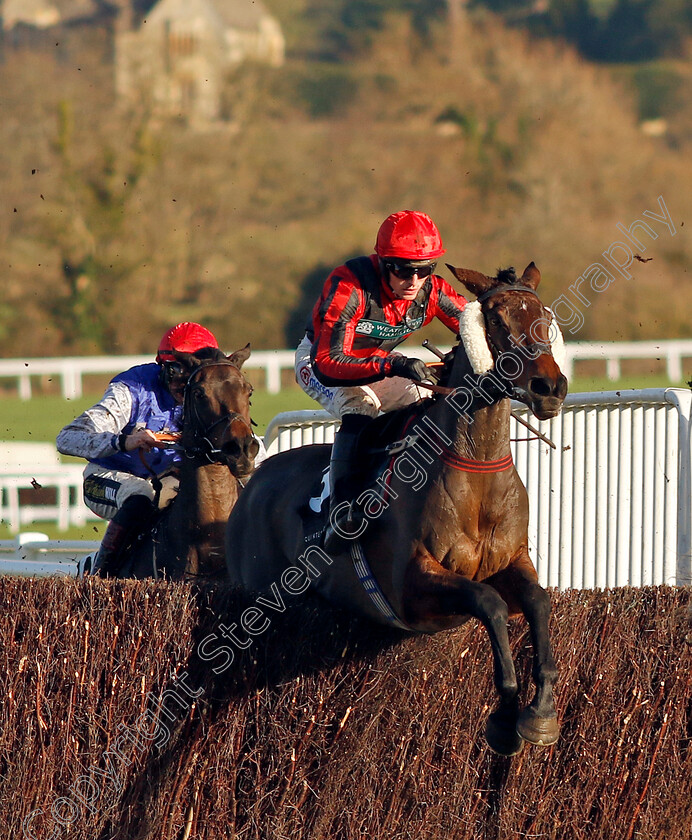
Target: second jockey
[137,404]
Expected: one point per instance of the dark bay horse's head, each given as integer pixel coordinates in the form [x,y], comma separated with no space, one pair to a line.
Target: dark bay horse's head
[517,330]
[216,409]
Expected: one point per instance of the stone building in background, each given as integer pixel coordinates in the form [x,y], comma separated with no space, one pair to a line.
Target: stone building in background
[177,57]
[172,55]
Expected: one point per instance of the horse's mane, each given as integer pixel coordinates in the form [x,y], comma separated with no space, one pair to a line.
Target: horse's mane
[210,354]
[507,276]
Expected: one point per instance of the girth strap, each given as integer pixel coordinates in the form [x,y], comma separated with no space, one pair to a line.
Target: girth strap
[372,587]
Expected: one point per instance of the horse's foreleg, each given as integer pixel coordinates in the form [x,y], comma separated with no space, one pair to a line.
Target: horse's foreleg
[518,586]
[433,596]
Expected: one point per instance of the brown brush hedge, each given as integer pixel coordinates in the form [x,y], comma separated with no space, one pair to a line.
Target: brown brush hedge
[316,725]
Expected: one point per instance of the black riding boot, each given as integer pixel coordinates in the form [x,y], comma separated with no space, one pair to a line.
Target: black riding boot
[121,531]
[345,515]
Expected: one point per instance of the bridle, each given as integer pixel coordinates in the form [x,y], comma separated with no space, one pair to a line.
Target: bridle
[203,447]
[535,348]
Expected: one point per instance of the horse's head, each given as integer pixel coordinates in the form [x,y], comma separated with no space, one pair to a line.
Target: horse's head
[216,409]
[513,337]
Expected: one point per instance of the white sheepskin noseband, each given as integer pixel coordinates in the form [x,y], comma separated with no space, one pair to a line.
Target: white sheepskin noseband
[557,342]
[475,340]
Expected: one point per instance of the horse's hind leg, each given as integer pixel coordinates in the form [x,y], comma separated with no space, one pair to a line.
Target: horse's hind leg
[519,588]
[436,594]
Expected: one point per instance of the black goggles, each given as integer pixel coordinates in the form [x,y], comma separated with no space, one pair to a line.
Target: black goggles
[173,370]
[406,271]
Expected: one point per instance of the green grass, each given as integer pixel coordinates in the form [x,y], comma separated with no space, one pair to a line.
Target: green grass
[625,383]
[41,418]
[92,531]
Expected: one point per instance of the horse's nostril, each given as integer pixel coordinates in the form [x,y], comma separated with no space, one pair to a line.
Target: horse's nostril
[235,450]
[231,449]
[540,387]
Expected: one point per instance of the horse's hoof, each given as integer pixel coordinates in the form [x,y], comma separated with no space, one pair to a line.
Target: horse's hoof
[502,735]
[541,731]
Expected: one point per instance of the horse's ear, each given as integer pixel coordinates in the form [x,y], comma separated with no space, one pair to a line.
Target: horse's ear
[474,281]
[240,356]
[531,276]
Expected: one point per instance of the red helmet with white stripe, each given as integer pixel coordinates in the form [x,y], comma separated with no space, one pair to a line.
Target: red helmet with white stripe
[187,337]
[409,235]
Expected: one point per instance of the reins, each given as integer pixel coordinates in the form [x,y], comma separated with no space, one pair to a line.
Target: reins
[537,347]
[172,439]
[443,391]
[208,450]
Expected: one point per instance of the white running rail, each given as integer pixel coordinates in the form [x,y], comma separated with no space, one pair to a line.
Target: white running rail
[71,370]
[611,506]
[35,486]
[34,555]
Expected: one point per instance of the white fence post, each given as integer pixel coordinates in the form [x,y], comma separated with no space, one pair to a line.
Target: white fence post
[71,381]
[273,373]
[613,369]
[24,386]
[674,366]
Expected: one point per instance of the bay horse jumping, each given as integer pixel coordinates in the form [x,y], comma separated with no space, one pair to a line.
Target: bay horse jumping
[218,450]
[446,536]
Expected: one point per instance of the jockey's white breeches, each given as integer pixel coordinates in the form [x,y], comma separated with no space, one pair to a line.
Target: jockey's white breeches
[105,490]
[382,396]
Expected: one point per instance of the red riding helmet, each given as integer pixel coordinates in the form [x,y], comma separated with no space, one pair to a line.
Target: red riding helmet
[409,235]
[187,337]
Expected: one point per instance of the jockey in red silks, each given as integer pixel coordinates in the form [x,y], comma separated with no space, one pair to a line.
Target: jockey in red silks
[346,361]
[137,403]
